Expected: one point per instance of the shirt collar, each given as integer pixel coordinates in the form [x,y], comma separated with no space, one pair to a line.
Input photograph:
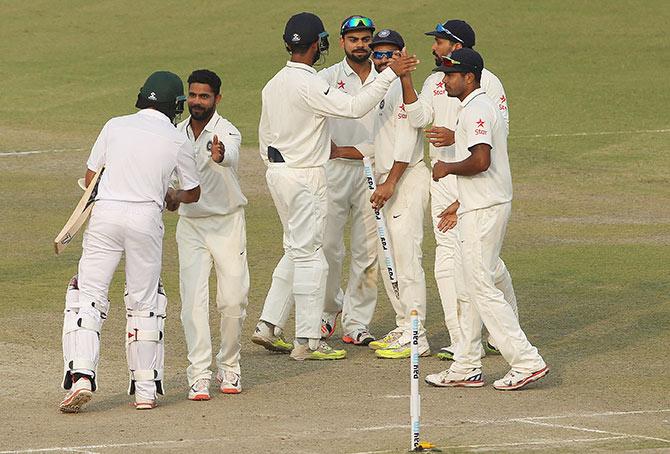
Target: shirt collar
[154,113]
[209,127]
[348,71]
[294,64]
[471,96]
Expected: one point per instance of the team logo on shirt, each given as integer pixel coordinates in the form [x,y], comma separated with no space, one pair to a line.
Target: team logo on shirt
[439,89]
[384,33]
[340,85]
[479,131]
[502,104]
[209,146]
[403,113]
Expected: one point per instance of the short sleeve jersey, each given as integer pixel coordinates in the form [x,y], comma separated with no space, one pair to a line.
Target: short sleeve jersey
[140,152]
[481,122]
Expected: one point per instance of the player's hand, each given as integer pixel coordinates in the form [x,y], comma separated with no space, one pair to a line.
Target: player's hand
[381,195]
[218,150]
[440,170]
[404,64]
[440,136]
[447,221]
[171,201]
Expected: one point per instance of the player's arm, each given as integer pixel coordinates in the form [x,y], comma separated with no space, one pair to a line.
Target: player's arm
[327,101]
[188,177]
[386,189]
[98,156]
[419,107]
[478,162]
[344,152]
[230,140]
[264,135]
[448,217]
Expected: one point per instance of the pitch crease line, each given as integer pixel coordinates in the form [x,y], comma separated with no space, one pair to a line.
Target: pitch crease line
[116,445]
[586,429]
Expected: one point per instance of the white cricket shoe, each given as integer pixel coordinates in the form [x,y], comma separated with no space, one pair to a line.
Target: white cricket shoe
[470,379]
[77,396]
[199,390]
[517,380]
[229,382]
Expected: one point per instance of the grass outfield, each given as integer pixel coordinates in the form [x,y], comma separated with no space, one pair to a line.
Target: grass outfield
[587,246]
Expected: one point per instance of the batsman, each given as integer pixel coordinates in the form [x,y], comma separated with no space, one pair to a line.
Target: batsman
[139,153]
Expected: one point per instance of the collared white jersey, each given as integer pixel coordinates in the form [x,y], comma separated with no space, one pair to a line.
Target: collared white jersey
[295,105]
[481,121]
[220,191]
[140,152]
[436,107]
[395,138]
[349,132]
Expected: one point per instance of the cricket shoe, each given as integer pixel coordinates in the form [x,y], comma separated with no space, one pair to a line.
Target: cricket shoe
[229,382]
[391,338]
[145,404]
[324,351]
[446,353]
[470,379]
[199,390]
[270,338]
[517,380]
[404,350]
[328,324]
[77,396]
[360,337]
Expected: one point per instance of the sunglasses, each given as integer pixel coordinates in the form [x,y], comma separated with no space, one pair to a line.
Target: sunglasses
[356,22]
[441,29]
[378,54]
[449,62]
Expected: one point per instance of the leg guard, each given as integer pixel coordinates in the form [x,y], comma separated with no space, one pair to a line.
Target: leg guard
[144,342]
[81,335]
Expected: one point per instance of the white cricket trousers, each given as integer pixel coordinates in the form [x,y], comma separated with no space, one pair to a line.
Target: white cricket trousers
[348,194]
[115,228]
[218,240]
[404,214]
[299,195]
[482,232]
[448,260]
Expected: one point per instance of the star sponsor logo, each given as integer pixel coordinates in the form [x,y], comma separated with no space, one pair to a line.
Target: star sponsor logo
[341,84]
[479,130]
[503,103]
[402,114]
[439,89]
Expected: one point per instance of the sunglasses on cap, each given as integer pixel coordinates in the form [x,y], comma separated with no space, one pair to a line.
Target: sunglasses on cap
[449,62]
[357,22]
[379,54]
[441,29]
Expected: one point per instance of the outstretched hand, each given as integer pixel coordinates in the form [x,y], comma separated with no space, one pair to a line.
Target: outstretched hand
[218,150]
[404,64]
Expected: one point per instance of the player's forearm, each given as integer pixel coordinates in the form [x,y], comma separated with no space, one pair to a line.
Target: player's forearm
[89,176]
[408,94]
[471,166]
[189,196]
[348,153]
[396,172]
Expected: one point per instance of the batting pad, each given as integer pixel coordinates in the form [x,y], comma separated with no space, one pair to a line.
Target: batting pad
[144,342]
[81,335]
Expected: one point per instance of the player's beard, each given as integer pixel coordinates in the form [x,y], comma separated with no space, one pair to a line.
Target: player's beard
[438,59]
[358,57]
[201,115]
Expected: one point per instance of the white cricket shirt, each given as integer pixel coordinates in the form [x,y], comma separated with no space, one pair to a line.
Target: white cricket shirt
[480,121]
[139,153]
[395,137]
[295,105]
[220,191]
[436,107]
[349,132]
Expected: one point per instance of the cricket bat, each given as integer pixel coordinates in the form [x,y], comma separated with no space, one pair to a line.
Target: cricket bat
[382,230]
[79,215]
